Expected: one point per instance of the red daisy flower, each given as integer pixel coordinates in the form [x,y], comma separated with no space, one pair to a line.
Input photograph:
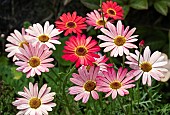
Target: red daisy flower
[81,50]
[112,10]
[71,23]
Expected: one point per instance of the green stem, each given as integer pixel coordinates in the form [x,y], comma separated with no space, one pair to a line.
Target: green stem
[121,105]
[123,58]
[51,78]
[131,102]
[100,103]
[138,93]
[40,80]
[56,75]
[64,84]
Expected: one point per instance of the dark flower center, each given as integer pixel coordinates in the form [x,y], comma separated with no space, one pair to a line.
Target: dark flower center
[111,11]
[34,61]
[71,24]
[89,86]
[119,40]
[101,22]
[35,103]
[43,38]
[115,85]
[81,51]
[146,66]
[22,44]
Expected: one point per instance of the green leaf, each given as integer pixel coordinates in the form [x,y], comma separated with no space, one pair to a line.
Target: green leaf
[91,4]
[139,4]
[4,60]
[161,7]
[26,24]
[126,10]
[17,74]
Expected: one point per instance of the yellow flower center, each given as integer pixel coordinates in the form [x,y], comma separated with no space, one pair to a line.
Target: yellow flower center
[71,25]
[22,44]
[35,103]
[89,86]
[119,40]
[43,38]
[111,11]
[81,51]
[88,67]
[115,85]
[34,61]
[101,22]
[146,66]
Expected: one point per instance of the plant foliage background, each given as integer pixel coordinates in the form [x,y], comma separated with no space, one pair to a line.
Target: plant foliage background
[150,17]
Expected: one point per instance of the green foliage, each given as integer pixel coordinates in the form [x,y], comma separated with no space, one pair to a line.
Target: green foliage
[7,95]
[91,4]
[26,24]
[139,4]
[141,100]
[161,7]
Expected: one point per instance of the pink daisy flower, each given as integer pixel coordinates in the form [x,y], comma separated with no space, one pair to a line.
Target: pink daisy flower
[117,40]
[46,35]
[16,40]
[101,62]
[86,84]
[114,84]
[81,50]
[149,65]
[71,23]
[34,102]
[95,19]
[112,10]
[34,60]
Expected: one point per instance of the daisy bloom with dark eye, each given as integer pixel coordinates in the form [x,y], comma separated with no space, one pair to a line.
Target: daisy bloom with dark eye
[95,19]
[86,84]
[34,102]
[34,60]
[115,83]
[81,50]
[101,62]
[117,39]
[16,40]
[112,10]
[147,65]
[71,23]
[46,35]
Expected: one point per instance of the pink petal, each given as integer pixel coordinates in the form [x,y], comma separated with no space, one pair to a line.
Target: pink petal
[86,97]
[95,95]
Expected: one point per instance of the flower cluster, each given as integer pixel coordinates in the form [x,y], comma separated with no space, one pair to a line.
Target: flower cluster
[31,51]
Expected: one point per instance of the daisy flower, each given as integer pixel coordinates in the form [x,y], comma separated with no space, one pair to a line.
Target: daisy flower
[71,23]
[81,50]
[34,102]
[114,84]
[117,40]
[167,66]
[95,19]
[101,62]
[46,35]
[86,84]
[112,10]
[34,60]
[16,40]
[147,65]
